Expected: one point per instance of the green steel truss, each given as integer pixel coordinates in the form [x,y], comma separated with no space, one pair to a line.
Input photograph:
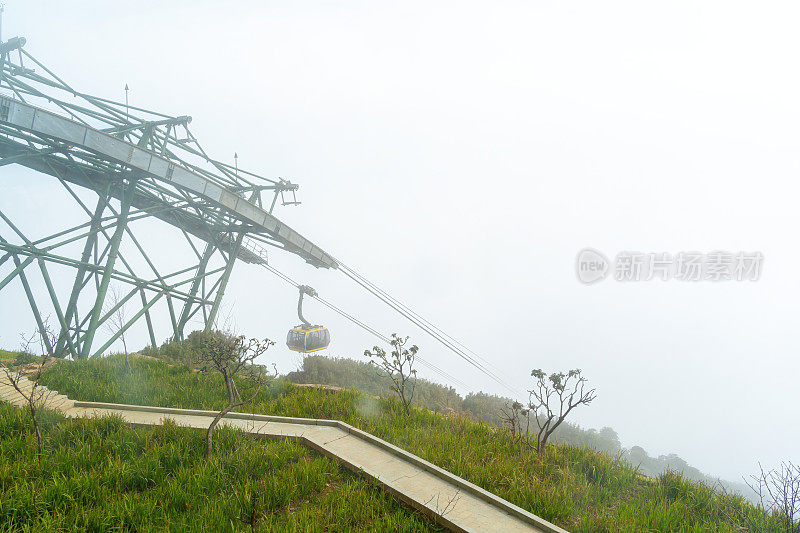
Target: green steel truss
[139,164]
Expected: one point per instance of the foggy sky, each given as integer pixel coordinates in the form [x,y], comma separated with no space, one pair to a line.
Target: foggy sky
[461,154]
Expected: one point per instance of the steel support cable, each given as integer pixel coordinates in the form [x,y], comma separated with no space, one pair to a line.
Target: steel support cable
[414,317]
[446,375]
[387,340]
[454,341]
[487,363]
[432,333]
[448,344]
[361,324]
[409,310]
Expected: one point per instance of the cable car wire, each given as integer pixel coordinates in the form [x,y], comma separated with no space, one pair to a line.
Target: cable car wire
[387,340]
[428,327]
[444,374]
[423,324]
[410,311]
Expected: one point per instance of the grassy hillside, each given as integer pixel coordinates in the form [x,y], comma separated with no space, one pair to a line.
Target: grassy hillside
[480,406]
[103,475]
[487,408]
[577,488]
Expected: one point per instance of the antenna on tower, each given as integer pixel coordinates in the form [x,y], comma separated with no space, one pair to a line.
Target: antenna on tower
[127,111]
[2,8]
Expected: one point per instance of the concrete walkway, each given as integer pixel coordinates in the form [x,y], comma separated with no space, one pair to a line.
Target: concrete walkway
[443,497]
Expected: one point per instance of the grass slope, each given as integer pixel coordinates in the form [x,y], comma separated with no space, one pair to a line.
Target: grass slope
[487,408]
[479,406]
[577,488]
[103,475]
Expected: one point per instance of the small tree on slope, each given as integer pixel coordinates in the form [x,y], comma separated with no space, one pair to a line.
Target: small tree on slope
[34,394]
[399,367]
[231,355]
[117,320]
[553,398]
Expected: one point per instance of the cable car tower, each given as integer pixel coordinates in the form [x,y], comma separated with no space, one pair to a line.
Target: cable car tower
[138,165]
[135,165]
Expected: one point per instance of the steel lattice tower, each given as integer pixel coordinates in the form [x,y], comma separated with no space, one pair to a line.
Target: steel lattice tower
[142,165]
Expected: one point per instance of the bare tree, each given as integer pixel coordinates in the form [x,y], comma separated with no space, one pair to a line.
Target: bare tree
[552,400]
[779,493]
[231,355]
[116,322]
[35,395]
[399,367]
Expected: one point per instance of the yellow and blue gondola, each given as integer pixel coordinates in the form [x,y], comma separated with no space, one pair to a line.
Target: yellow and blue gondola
[307,339]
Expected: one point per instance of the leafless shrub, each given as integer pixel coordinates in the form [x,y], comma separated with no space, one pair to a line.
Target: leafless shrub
[35,395]
[442,506]
[512,417]
[779,493]
[116,322]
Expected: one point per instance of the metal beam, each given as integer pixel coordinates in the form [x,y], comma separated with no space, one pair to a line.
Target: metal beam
[109,268]
[199,276]
[54,300]
[34,308]
[124,328]
[187,177]
[224,282]
[14,273]
[149,320]
[81,275]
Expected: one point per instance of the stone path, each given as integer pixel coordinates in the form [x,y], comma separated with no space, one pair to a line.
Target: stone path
[445,498]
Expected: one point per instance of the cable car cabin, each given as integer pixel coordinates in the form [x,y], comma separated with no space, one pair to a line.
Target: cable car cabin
[308,339]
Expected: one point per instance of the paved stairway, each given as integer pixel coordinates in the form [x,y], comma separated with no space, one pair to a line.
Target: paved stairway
[442,496]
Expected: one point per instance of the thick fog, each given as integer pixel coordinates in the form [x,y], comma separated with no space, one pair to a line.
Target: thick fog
[460,155]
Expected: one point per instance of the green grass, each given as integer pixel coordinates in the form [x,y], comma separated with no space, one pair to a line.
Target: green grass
[5,354]
[574,487]
[103,475]
[480,406]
